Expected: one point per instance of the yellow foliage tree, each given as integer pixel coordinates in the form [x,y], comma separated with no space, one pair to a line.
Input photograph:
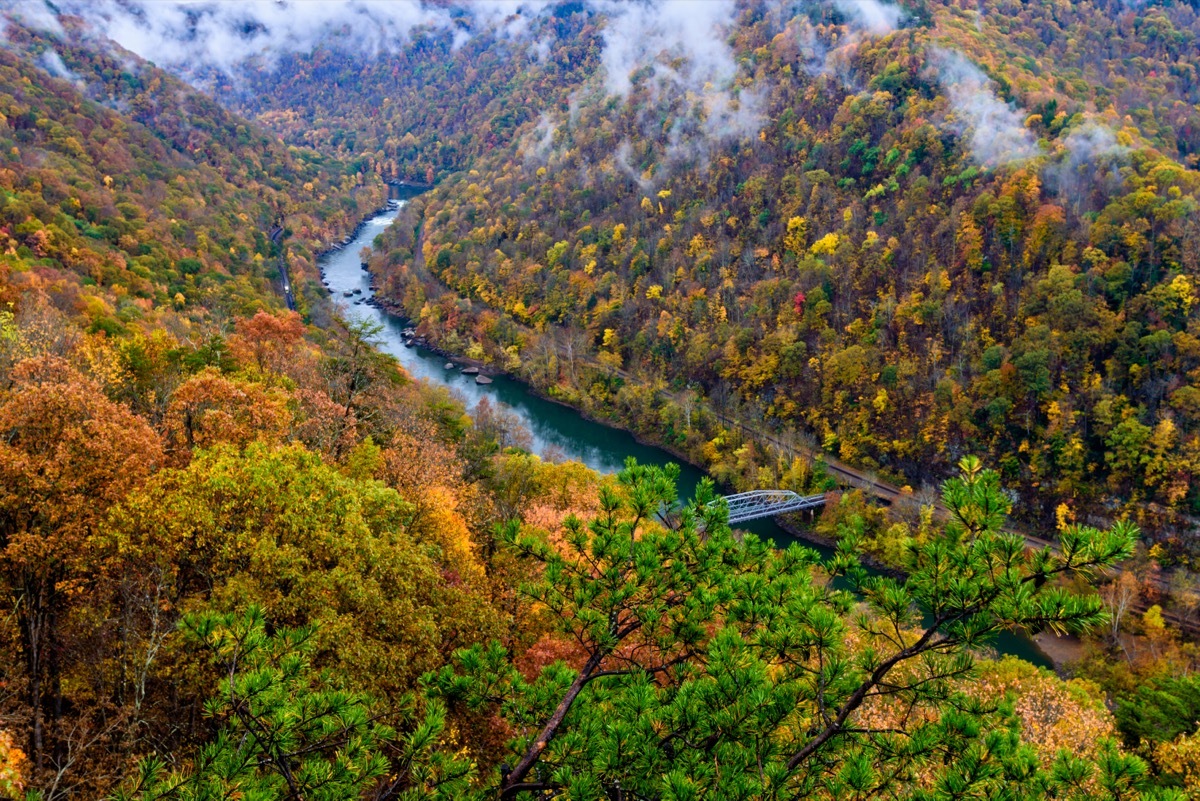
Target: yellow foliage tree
[13,763]
[1179,759]
[826,245]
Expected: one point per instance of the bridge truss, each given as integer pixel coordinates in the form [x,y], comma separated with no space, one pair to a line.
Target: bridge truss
[767,503]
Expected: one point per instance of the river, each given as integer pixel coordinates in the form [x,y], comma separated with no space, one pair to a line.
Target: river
[556,431]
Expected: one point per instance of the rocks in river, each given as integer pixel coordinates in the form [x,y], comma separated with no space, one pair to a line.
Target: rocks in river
[347,294]
[482,379]
[448,366]
[364,265]
[470,371]
[358,292]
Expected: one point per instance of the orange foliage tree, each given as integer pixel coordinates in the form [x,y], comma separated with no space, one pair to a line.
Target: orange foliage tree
[67,454]
[210,408]
[267,340]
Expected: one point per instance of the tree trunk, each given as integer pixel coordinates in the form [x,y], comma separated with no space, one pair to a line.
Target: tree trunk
[54,683]
[551,728]
[35,624]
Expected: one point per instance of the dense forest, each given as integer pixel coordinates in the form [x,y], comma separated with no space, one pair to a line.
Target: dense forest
[973,231]
[859,275]
[243,554]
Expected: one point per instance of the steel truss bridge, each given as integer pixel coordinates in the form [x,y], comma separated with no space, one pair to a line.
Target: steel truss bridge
[768,503]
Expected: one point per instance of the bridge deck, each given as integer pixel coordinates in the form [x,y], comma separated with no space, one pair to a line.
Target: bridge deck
[767,503]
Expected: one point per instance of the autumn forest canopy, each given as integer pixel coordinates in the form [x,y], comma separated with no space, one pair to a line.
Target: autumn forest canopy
[936,261]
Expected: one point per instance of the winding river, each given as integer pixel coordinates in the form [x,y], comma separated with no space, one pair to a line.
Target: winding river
[556,431]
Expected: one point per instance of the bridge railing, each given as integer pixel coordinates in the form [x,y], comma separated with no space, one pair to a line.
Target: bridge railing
[746,506]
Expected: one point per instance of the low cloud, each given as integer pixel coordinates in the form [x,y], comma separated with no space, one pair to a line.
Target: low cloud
[864,19]
[622,159]
[995,132]
[539,144]
[677,53]
[871,16]
[183,36]
[34,14]
[539,51]
[1092,142]
[1088,169]
[194,36]
[52,63]
[681,43]
[739,117]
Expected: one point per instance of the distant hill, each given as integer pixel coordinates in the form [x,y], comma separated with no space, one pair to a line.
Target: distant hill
[118,176]
[958,228]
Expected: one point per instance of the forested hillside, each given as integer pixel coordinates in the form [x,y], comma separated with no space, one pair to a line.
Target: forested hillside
[127,178]
[862,273]
[175,440]
[963,228]
[243,554]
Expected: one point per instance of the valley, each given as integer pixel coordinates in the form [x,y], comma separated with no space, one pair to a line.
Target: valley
[376,379]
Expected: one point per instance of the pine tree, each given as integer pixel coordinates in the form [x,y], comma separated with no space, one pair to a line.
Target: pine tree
[719,667]
[288,731]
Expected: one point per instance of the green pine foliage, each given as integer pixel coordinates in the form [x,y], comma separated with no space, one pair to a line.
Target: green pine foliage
[1160,710]
[719,667]
[289,730]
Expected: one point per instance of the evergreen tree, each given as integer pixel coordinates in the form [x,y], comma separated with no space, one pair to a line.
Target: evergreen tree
[289,732]
[722,668]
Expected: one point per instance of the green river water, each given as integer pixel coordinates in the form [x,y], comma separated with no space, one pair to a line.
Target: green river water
[556,430]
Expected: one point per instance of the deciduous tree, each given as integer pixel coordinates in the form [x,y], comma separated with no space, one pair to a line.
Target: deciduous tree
[67,454]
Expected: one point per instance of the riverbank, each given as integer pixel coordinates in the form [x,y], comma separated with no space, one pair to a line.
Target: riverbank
[1061,650]
[1056,654]
[808,535]
[488,369]
[393,203]
[556,427]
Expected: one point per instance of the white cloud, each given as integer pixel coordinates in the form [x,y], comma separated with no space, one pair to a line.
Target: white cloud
[1090,159]
[863,19]
[35,14]
[186,34]
[996,132]
[679,52]
[52,63]
[872,16]
[681,42]
[539,143]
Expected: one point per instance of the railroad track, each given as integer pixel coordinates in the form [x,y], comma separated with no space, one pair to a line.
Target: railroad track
[889,493]
[289,296]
